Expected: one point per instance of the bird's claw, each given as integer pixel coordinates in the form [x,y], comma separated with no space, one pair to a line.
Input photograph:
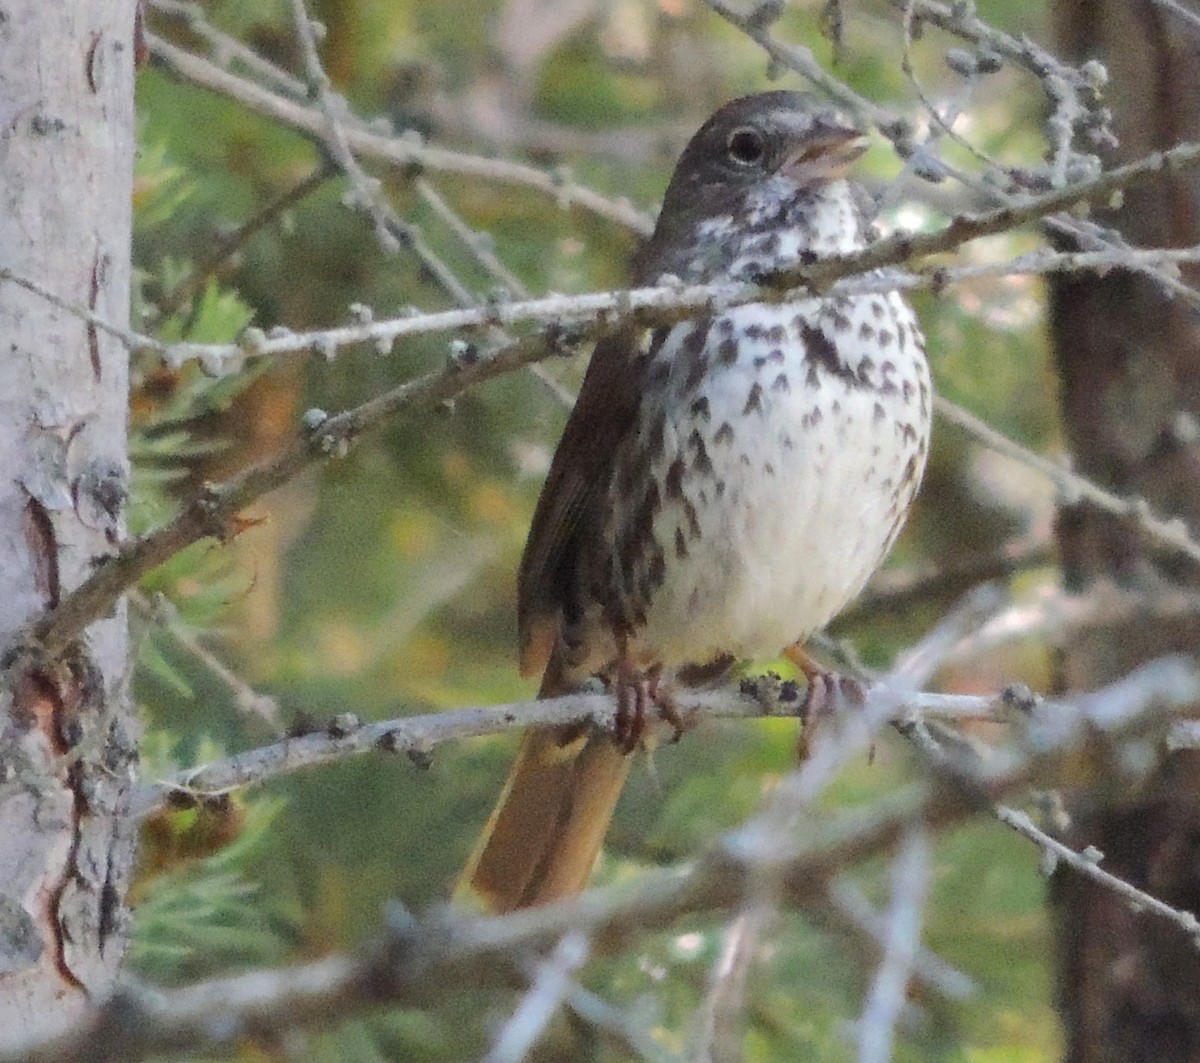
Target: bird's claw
[639,693]
[827,695]
[633,701]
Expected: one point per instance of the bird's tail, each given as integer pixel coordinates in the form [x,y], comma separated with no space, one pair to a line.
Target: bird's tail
[547,828]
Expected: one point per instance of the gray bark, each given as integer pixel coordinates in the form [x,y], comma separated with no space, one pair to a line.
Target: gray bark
[66,737]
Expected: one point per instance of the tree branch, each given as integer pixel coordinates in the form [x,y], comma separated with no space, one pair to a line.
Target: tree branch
[405,152]
[213,512]
[552,981]
[1087,863]
[895,591]
[417,736]
[667,303]
[756,22]
[888,994]
[411,961]
[1173,532]
[227,245]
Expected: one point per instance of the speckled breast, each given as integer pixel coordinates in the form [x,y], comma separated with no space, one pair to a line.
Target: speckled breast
[777,451]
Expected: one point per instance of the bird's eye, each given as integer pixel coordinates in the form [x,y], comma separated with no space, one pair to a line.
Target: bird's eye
[746,146]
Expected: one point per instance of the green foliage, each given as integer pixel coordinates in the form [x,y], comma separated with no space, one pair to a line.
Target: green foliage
[383,583]
[209,917]
[156,665]
[161,188]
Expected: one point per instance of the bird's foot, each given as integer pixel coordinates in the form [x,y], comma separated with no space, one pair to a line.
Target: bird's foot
[827,696]
[829,693]
[638,694]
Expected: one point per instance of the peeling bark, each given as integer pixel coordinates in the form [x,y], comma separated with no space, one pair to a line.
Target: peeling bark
[67,740]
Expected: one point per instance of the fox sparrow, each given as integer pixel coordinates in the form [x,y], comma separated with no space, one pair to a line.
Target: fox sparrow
[725,485]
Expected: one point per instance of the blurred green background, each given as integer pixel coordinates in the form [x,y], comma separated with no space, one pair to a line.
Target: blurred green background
[383,583]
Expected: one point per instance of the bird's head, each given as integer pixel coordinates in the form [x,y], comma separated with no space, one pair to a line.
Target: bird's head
[760,160]
[771,136]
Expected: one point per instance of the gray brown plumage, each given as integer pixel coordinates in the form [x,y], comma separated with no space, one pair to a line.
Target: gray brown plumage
[723,486]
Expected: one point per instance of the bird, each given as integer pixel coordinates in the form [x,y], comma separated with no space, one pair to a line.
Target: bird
[723,487]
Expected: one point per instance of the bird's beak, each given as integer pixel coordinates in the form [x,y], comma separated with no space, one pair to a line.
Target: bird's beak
[825,156]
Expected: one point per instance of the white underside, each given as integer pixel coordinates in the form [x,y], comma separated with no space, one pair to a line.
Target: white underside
[776,555]
[779,555]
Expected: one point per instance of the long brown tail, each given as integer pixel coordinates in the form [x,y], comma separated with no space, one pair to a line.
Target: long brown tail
[547,828]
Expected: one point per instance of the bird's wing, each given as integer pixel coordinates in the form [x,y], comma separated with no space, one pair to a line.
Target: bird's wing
[575,486]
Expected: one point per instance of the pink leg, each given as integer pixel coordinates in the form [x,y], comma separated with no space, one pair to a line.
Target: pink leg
[827,694]
[633,703]
[637,693]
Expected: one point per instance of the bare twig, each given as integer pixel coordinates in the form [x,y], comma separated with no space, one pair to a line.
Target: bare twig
[131,340]
[849,909]
[665,303]
[229,50]
[755,23]
[1067,89]
[888,993]
[1088,864]
[248,700]
[417,736]
[717,1037]
[961,21]
[367,193]
[1050,613]
[405,152]
[922,159]
[411,961]
[1184,734]
[1070,91]
[791,803]
[476,243]
[391,232]
[898,590]
[552,982]
[1180,12]
[213,512]
[228,245]
[622,1028]
[596,312]
[479,247]
[1173,533]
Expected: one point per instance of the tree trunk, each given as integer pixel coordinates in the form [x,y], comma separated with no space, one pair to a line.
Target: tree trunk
[1129,359]
[67,740]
